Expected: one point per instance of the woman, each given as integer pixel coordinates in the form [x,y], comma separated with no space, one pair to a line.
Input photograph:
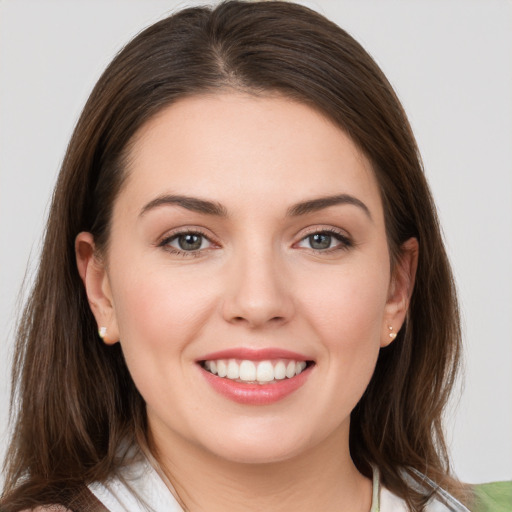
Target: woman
[243,286]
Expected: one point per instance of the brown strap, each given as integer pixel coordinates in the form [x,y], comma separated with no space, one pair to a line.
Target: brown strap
[85,501]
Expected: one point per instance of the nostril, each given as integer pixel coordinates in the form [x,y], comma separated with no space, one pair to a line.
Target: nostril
[274,319]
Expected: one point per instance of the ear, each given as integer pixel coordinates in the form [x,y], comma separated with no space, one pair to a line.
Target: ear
[400,290]
[97,287]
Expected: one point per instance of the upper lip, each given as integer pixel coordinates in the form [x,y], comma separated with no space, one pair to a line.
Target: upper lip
[252,354]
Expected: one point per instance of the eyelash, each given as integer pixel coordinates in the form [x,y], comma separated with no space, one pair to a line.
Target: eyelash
[345,242]
[179,252]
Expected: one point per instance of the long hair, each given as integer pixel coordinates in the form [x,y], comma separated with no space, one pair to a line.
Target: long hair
[73,395]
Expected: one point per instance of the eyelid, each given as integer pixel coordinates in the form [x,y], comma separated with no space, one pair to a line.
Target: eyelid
[345,240]
[332,230]
[173,234]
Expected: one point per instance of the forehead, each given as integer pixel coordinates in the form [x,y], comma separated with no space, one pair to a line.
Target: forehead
[232,146]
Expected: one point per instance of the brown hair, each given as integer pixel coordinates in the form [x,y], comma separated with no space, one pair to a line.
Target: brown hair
[76,400]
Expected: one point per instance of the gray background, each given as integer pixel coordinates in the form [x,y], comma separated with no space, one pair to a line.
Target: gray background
[451,64]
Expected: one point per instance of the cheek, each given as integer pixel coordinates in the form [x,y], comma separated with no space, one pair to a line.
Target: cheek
[347,314]
[347,318]
[158,313]
[348,306]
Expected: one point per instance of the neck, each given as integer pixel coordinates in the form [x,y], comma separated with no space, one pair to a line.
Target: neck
[315,480]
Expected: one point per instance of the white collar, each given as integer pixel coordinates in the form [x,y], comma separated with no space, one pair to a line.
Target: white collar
[140,488]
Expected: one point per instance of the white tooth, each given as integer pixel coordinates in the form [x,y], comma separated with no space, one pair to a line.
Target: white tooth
[233,369]
[222,369]
[265,371]
[247,371]
[280,371]
[213,367]
[290,369]
[300,365]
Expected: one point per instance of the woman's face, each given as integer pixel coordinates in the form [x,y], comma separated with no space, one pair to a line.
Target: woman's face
[247,277]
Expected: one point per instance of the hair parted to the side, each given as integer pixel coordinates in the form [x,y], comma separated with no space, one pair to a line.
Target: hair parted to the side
[73,396]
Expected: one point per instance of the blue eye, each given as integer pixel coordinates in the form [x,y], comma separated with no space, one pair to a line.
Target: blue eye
[320,241]
[325,241]
[187,242]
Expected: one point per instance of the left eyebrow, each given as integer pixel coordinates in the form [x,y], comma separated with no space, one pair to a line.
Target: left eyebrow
[189,203]
[314,205]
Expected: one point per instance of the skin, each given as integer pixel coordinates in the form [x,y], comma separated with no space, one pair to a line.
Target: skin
[257,282]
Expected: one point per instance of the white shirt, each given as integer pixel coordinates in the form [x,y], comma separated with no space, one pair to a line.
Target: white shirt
[140,488]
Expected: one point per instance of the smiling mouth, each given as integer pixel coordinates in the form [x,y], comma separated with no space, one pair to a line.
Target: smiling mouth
[255,372]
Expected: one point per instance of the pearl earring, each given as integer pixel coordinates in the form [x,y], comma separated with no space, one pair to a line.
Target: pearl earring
[102,331]
[392,334]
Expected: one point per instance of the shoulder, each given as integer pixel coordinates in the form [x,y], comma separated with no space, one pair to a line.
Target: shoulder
[492,497]
[82,501]
[389,502]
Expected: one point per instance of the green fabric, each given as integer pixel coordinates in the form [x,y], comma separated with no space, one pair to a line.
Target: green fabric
[493,497]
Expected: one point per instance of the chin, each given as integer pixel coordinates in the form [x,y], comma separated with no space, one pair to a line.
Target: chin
[253,447]
[257,455]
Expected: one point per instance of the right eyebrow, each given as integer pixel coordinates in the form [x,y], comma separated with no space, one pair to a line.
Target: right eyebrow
[314,205]
[190,203]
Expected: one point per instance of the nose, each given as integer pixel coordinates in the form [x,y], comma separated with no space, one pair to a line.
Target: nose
[258,293]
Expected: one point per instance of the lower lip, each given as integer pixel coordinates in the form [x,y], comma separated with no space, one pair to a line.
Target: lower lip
[256,394]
